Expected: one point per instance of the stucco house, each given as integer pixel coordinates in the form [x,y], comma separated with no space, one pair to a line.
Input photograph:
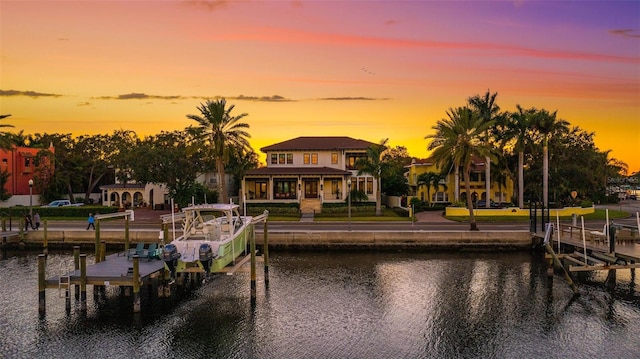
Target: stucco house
[452,187]
[309,171]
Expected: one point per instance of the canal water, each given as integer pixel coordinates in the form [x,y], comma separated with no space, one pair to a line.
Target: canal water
[337,305]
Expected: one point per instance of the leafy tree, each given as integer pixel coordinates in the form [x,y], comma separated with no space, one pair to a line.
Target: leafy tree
[457,139]
[221,132]
[240,161]
[394,161]
[173,159]
[4,178]
[5,137]
[372,164]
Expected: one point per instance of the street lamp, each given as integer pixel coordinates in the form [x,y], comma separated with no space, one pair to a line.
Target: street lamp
[31,197]
[349,194]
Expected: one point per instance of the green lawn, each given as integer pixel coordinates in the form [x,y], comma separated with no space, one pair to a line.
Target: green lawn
[599,214]
[387,215]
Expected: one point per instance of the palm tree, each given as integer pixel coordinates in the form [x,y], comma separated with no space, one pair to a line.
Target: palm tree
[429,179]
[546,124]
[518,127]
[372,164]
[488,111]
[220,132]
[458,139]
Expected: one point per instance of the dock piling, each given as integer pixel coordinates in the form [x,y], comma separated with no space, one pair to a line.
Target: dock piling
[83,282]
[136,283]
[76,266]
[97,240]
[42,285]
[253,268]
[265,250]
[45,239]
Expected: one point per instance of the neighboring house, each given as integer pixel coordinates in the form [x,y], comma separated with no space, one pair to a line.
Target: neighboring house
[309,171]
[151,195]
[129,194]
[455,186]
[19,163]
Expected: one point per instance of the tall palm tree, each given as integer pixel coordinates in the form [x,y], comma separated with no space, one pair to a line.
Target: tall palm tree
[488,111]
[372,164]
[518,127]
[458,139]
[546,124]
[221,132]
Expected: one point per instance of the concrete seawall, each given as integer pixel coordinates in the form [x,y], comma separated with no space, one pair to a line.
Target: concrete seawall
[301,239]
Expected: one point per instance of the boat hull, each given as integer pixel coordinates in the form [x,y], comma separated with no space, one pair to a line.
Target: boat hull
[225,254]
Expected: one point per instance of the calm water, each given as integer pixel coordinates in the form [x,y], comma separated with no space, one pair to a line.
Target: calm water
[329,305]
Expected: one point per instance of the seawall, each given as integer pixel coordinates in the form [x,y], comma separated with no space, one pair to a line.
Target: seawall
[311,239]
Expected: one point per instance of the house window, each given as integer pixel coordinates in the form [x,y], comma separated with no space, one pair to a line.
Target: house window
[440,197]
[284,188]
[274,159]
[352,159]
[306,158]
[361,184]
[335,189]
[289,158]
[281,158]
[334,158]
[369,185]
[27,161]
[314,158]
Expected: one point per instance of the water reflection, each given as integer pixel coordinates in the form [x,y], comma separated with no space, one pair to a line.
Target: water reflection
[337,305]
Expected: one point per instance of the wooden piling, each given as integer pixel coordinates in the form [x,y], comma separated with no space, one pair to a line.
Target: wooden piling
[253,267]
[45,239]
[265,254]
[83,282]
[42,284]
[97,242]
[126,233]
[567,277]
[103,251]
[612,240]
[136,284]
[76,266]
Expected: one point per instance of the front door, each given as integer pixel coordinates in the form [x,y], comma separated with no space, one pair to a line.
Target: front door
[310,189]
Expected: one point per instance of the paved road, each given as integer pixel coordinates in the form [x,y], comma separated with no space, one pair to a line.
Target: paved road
[149,220]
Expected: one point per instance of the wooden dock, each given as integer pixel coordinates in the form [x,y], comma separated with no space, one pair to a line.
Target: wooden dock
[130,272]
[587,249]
[116,269]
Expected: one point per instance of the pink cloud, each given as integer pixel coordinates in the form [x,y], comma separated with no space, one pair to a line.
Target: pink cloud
[306,37]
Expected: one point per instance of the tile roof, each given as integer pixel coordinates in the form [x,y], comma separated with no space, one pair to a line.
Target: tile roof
[319,143]
[268,171]
[123,186]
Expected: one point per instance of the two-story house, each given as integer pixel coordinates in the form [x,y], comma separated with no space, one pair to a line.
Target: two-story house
[309,171]
[452,187]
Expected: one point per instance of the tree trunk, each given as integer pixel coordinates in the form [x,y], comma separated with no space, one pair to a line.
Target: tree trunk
[545,175]
[222,195]
[467,187]
[487,184]
[379,198]
[521,179]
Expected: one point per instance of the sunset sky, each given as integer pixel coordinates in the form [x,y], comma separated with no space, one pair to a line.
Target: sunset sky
[365,69]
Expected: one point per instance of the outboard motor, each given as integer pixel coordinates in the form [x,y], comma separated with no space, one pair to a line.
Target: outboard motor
[206,255]
[170,255]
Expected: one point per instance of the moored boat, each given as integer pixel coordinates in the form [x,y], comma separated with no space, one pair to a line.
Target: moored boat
[213,236]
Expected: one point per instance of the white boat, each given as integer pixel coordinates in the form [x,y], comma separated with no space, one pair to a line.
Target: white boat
[214,235]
